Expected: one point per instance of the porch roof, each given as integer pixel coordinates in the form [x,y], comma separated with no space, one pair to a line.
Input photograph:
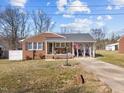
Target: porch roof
[81,37]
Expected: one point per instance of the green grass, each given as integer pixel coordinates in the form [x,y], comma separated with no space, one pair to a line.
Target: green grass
[112,57]
[44,77]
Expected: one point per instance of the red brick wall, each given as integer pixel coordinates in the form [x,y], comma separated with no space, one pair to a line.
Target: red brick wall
[27,54]
[40,54]
[58,56]
[121,45]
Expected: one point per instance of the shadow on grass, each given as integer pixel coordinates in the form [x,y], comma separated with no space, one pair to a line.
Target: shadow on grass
[99,55]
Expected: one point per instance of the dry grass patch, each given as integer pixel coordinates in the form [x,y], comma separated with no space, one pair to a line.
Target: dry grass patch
[112,57]
[45,77]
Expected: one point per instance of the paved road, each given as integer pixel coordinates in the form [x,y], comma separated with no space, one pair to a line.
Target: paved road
[110,74]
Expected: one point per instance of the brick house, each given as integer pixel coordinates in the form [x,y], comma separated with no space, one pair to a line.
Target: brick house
[52,45]
[121,45]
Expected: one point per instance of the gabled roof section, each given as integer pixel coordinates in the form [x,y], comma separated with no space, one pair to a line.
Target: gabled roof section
[44,35]
[120,38]
[81,37]
[113,44]
[52,35]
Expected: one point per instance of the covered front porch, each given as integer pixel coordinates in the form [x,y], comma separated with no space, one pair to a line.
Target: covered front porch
[61,50]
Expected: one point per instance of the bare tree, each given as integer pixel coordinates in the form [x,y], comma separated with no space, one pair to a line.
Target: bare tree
[13,24]
[114,38]
[42,22]
[63,29]
[99,35]
[67,29]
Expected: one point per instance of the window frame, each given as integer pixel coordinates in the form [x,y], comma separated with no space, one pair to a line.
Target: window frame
[63,46]
[58,46]
[41,46]
[32,46]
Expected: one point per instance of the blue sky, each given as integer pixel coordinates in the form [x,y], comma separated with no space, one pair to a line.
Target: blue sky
[67,13]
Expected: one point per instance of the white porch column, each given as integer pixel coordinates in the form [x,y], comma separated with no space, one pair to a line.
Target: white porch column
[52,48]
[90,51]
[73,48]
[94,49]
[77,52]
[84,50]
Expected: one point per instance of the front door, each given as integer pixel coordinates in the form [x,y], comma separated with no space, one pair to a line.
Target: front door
[49,47]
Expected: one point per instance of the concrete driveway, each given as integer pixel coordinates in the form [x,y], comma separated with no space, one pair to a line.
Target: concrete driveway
[110,74]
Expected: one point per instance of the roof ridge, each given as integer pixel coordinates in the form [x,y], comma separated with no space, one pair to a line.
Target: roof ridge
[72,33]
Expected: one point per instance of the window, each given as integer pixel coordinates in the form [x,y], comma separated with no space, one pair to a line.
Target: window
[35,46]
[60,45]
[40,45]
[57,45]
[68,44]
[63,45]
[29,46]
[60,48]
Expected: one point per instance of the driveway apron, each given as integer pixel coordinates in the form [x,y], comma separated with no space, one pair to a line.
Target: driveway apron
[110,74]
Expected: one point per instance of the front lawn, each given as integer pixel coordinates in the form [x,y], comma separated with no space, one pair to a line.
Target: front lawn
[112,57]
[46,77]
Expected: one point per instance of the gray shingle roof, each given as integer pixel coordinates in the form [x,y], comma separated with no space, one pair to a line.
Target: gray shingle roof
[81,37]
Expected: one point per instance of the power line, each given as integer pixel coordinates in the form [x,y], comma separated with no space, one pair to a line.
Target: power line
[68,6]
[96,10]
[91,14]
[74,6]
[83,14]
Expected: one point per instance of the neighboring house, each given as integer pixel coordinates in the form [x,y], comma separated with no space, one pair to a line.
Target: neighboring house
[121,44]
[112,47]
[3,49]
[52,45]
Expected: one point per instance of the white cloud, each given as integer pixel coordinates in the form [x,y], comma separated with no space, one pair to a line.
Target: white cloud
[85,25]
[61,4]
[68,16]
[109,8]
[53,22]
[20,3]
[101,21]
[79,25]
[71,6]
[99,24]
[118,3]
[48,3]
[82,22]
[104,18]
[78,6]
[99,18]
[108,17]
[118,7]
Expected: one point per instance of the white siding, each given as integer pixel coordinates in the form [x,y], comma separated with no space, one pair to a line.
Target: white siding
[15,55]
[110,47]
